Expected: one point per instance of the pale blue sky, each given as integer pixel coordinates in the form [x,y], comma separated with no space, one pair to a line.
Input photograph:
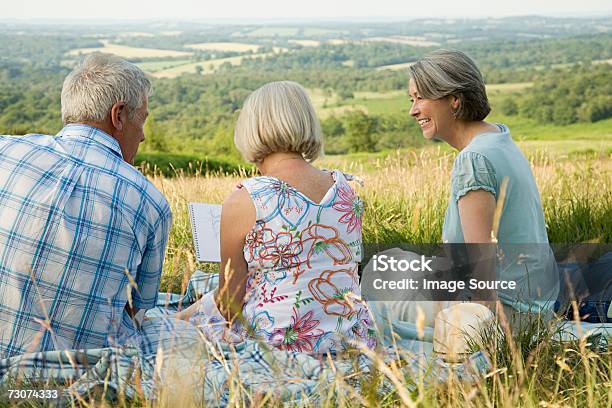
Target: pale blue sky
[294,9]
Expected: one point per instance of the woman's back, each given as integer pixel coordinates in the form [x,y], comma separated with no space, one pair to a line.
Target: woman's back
[302,254]
[307,179]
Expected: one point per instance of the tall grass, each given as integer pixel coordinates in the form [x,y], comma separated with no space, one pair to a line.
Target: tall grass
[406,194]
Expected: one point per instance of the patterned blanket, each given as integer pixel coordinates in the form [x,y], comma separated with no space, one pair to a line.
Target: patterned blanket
[171,360]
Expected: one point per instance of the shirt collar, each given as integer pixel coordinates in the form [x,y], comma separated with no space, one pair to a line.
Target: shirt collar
[92,133]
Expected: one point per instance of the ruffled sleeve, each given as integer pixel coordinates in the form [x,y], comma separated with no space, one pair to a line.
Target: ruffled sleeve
[472,171]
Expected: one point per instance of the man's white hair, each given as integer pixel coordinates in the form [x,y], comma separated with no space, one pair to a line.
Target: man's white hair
[97,83]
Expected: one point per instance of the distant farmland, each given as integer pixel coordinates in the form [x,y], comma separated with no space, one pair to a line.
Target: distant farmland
[394,67]
[273,32]
[306,43]
[130,52]
[402,39]
[209,66]
[156,66]
[225,46]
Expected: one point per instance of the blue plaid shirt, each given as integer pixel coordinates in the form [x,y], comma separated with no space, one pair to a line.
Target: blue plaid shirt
[81,232]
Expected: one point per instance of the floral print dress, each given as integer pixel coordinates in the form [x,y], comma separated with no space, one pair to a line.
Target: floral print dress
[302,289]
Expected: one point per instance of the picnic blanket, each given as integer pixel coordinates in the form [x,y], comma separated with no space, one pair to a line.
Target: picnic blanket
[171,357]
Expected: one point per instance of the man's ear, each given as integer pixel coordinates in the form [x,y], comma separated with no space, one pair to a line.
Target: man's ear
[118,114]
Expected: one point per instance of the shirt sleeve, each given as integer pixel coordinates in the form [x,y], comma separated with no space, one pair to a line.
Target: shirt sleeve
[472,171]
[150,269]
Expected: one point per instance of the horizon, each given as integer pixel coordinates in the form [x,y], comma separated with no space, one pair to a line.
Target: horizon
[271,11]
[282,21]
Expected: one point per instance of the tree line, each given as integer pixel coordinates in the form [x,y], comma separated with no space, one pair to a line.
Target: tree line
[196,113]
[582,93]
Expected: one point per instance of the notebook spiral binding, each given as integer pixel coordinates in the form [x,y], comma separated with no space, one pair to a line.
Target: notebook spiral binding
[194,231]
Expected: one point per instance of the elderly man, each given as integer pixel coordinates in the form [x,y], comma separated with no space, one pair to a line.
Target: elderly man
[82,232]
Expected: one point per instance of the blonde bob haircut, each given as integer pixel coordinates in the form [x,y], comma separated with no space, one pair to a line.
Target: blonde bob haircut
[278,117]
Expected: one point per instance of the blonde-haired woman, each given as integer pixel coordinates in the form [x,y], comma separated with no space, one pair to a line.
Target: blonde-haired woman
[290,239]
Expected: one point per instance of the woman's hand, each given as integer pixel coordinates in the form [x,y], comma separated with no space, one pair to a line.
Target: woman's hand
[186,314]
[237,219]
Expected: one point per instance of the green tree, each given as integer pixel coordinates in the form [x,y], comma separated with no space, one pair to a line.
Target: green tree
[599,108]
[360,129]
[332,127]
[155,140]
[345,94]
[222,143]
[508,107]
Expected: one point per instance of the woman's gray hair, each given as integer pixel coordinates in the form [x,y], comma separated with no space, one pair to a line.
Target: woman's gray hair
[97,83]
[451,72]
[278,117]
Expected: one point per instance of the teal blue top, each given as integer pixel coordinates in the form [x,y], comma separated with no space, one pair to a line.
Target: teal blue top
[527,258]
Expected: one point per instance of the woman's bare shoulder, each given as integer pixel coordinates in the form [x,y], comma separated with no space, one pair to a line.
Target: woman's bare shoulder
[239,207]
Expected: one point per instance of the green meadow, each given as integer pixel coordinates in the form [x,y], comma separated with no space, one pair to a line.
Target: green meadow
[522,128]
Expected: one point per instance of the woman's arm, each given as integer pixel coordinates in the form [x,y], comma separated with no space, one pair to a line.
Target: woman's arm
[237,219]
[476,211]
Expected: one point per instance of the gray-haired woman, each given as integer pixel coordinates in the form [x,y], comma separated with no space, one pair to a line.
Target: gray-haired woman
[450,103]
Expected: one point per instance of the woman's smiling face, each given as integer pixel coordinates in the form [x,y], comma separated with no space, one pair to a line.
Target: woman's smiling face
[434,116]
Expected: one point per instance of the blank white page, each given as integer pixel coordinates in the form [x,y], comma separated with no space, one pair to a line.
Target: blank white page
[205,226]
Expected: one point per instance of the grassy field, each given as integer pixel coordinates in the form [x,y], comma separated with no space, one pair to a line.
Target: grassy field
[496,89]
[285,32]
[529,129]
[130,52]
[576,194]
[379,106]
[395,67]
[522,128]
[225,46]
[155,66]
[208,66]
[129,34]
[173,67]
[317,31]
[306,43]
[401,39]
[380,95]
[406,193]
[274,32]
[327,103]
[337,41]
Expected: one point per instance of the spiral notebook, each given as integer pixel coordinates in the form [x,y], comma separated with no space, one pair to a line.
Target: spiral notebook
[205,226]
